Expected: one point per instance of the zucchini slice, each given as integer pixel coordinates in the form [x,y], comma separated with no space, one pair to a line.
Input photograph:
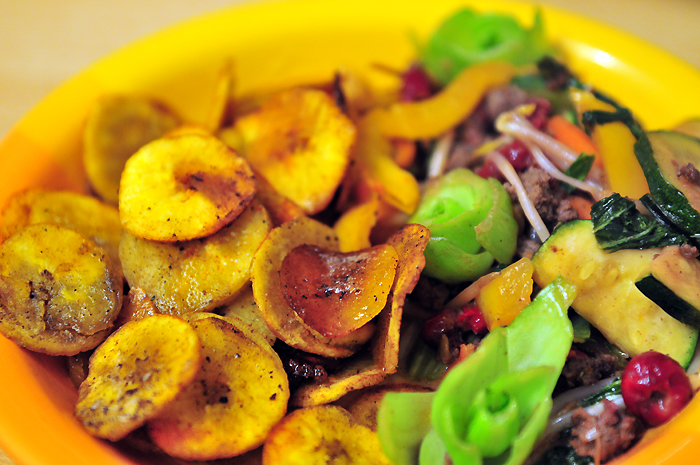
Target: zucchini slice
[607,295]
[673,283]
[664,157]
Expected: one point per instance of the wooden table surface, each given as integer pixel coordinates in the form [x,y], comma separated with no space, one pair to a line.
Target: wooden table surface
[44,43]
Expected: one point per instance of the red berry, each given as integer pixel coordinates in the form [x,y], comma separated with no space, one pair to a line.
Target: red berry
[416,85]
[655,387]
[517,154]
[472,319]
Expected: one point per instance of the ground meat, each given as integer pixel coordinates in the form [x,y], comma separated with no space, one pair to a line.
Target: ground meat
[556,75]
[430,293]
[527,246]
[689,252]
[546,194]
[586,370]
[605,436]
[690,173]
[503,99]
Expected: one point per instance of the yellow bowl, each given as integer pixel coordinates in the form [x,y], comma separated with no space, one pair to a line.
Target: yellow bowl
[278,44]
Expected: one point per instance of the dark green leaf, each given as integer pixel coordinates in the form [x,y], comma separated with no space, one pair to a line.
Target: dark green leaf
[618,225]
[579,169]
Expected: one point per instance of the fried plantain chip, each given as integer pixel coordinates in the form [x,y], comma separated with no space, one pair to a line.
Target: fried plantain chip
[370,367]
[364,404]
[281,209]
[59,293]
[245,308]
[136,305]
[267,289]
[136,373]
[183,187]
[195,275]
[86,215]
[77,367]
[240,393]
[337,293]
[322,435]
[116,128]
[300,141]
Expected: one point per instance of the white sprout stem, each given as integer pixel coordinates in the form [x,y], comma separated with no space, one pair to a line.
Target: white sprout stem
[528,207]
[440,155]
[471,292]
[519,127]
[552,170]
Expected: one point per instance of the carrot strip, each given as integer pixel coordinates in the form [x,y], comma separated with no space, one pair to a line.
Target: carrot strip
[572,136]
[582,206]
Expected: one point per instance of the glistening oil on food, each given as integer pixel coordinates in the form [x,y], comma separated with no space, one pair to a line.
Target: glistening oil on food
[452,271]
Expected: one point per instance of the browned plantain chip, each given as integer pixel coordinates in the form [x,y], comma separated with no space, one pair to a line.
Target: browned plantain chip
[240,393]
[300,141]
[282,320]
[136,373]
[136,306]
[183,187]
[322,435]
[244,307]
[371,366]
[58,291]
[195,275]
[116,128]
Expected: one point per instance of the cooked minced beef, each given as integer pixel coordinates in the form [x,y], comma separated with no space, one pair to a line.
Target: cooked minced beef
[547,196]
[302,367]
[585,370]
[430,293]
[605,436]
[690,252]
[504,99]
[690,173]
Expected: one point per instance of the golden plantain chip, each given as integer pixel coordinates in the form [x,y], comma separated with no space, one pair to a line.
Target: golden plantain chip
[195,275]
[267,289]
[136,373]
[77,366]
[84,214]
[58,291]
[183,187]
[370,367]
[281,209]
[116,128]
[244,307]
[322,435]
[240,393]
[300,141]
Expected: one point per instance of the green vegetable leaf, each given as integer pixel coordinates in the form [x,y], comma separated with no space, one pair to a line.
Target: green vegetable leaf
[468,37]
[617,225]
[579,169]
[471,223]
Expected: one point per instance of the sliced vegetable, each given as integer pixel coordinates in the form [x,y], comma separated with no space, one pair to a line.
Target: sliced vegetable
[502,299]
[608,297]
[618,225]
[670,161]
[300,141]
[495,403]
[579,169]
[337,293]
[355,226]
[322,435]
[673,283]
[572,136]
[59,293]
[183,187]
[117,127]
[471,222]
[434,116]
[468,38]
[136,373]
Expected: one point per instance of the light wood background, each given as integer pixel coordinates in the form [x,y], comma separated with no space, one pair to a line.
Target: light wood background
[44,42]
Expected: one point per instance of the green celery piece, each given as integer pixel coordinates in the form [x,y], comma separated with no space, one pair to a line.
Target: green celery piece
[471,222]
[403,420]
[448,263]
[498,232]
[525,358]
[432,450]
[468,37]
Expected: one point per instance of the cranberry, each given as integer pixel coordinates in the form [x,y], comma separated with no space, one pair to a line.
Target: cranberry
[655,387]
[416,84]
[472,319]
[517,154]
[489,170]
[539,117]
[440,324]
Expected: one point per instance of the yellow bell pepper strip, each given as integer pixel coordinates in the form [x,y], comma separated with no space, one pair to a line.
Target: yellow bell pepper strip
[355,225]
[471,223]
[502,299]
[496,403]
[434,116]
[615,144]
[373,159]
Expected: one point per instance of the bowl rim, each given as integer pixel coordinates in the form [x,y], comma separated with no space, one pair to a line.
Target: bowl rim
[41,137]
